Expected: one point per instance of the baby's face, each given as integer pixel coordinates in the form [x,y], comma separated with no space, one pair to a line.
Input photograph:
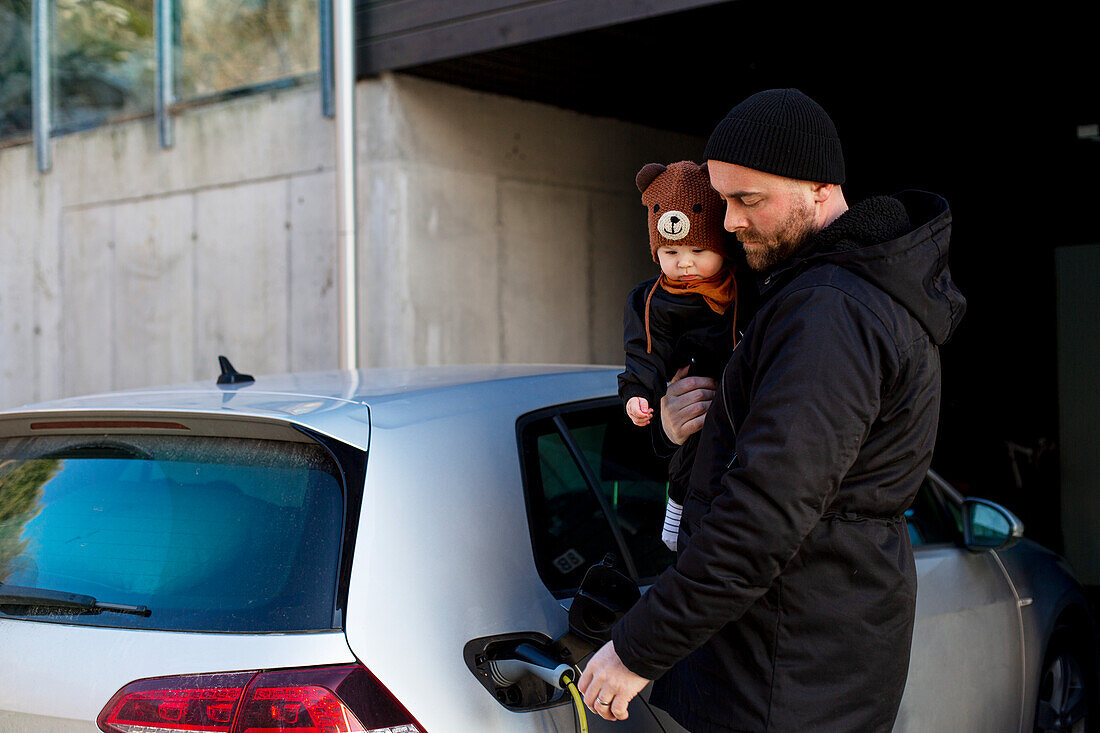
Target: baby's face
[684,264]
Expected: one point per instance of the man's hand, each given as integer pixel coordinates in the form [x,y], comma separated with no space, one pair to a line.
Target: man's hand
[608,686]
[685,405]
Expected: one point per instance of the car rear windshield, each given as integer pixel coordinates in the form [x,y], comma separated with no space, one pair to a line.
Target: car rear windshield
[210,534]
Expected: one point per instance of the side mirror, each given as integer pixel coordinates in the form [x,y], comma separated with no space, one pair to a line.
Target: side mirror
[989,526]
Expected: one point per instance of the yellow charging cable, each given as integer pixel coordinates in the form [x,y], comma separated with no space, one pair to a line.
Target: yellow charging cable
[578,704]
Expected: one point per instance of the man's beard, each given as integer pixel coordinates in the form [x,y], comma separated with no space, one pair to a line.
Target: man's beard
[770,250]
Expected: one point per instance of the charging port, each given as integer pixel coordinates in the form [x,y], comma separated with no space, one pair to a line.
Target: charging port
[522,671]
[527,671]
[526,659]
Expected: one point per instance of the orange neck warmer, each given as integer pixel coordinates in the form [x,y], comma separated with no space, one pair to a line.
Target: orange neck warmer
[718,290]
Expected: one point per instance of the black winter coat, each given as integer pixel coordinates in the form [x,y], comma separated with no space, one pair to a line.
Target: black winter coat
[681,327]
[791,603]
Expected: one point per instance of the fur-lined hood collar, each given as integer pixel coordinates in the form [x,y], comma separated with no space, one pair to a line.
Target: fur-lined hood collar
[898,243]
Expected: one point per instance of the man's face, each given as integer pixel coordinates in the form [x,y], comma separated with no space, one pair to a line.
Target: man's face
[770,215]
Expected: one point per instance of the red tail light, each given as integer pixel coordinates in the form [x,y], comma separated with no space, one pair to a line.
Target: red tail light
[344,699]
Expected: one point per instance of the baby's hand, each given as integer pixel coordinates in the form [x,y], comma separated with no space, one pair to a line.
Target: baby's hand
[639,411]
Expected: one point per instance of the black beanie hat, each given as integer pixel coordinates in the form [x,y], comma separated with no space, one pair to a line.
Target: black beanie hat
[780,131]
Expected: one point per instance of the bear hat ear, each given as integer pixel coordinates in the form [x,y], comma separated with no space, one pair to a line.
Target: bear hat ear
[646,175]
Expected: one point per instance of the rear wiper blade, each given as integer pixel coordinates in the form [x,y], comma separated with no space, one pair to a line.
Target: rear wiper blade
[59,601]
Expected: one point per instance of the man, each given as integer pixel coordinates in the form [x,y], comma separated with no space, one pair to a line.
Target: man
[790,606]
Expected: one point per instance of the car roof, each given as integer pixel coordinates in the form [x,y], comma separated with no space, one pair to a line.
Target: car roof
[332,401]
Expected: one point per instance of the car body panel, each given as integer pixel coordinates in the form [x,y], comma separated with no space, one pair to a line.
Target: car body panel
[340,419]
[331,402]
[460,454]
[964,598]
[1047,594]
[65,674]
[1047,598]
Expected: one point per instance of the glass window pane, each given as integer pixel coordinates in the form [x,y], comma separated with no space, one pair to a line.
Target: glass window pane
[928,518]
[988,526]
[104,61]
[15,67]
[569,529]
[632,479]
[229,44]
[211,534]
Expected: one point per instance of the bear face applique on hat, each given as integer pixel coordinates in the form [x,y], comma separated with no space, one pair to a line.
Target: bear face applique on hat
[683,208]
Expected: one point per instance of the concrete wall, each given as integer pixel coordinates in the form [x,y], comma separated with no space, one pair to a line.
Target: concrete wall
[1078,272]
[491,230]
[129,265]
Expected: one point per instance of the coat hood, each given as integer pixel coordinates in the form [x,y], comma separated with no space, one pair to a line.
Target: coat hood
[899,244]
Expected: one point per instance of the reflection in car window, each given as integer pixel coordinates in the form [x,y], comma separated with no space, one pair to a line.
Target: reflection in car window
[570,529]
[988,526]
[211,534]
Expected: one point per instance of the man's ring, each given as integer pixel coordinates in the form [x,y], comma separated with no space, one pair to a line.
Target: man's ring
[601,702]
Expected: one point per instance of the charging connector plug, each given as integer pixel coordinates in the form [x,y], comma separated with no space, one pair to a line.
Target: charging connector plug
[526,659]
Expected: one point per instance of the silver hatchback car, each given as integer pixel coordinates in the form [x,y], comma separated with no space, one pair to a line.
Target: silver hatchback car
[375,550]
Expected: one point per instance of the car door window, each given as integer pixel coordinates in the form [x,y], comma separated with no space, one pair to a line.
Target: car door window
[593,487]
[633,482]
[929,519]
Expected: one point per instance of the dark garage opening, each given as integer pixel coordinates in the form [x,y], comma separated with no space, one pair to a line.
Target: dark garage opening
[981,107]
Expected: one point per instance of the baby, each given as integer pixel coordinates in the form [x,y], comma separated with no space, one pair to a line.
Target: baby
[684,317]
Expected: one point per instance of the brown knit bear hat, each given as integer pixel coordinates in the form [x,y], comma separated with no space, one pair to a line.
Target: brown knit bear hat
[683,208]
